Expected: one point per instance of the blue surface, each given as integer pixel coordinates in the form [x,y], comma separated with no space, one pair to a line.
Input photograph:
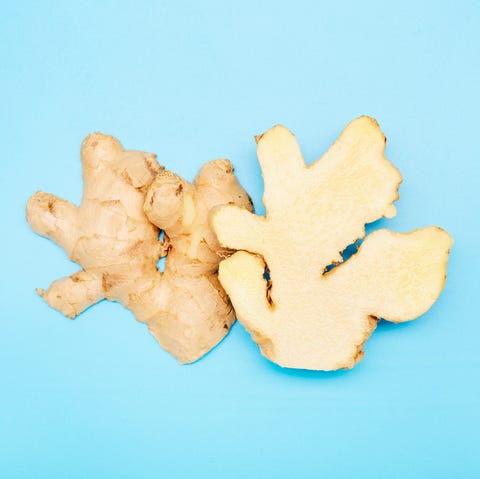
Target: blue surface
[97,397]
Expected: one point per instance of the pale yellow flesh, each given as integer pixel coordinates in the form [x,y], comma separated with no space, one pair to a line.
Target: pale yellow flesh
[305,318]
[117,246]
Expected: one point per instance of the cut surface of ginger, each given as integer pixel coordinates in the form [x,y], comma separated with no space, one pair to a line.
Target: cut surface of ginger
[307,315]
[114,236]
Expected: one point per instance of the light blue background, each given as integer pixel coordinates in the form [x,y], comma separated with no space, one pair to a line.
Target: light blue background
[97,397]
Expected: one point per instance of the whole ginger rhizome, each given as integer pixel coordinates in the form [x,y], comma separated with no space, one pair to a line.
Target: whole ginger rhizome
[114,236]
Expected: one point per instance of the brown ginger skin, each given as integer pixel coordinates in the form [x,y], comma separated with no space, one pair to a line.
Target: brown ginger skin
[111,238]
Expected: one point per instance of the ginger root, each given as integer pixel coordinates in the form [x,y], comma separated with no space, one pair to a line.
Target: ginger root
[309,314]
[111,238]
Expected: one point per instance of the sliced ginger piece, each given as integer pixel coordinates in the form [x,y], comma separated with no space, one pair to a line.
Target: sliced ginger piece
[111,238]
[307,315]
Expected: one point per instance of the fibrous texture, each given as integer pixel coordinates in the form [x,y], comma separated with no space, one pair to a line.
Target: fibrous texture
[111,238]
[306,314]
